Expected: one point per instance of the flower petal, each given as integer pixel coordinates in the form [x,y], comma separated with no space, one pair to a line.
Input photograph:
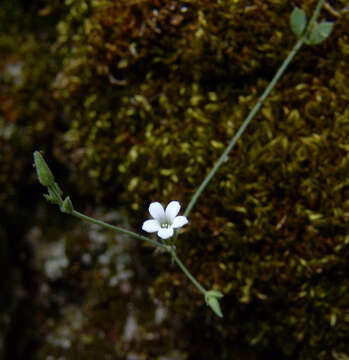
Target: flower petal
[179,221]
[157,211]
[151,226]
[165,233]
[172,210]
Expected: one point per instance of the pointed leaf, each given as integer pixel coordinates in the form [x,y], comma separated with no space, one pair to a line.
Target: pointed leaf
[67,206]
[213,303]
[298,21]
[211,298]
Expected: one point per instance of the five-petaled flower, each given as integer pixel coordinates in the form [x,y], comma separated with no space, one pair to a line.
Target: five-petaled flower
[164,220]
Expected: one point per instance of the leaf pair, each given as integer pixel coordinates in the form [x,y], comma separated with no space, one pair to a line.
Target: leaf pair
[316,35]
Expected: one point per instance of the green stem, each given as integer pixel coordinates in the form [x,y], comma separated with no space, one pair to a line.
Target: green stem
[186,272]
[254,110]
[314,17]
[140,237]
[244,125]
[117,229]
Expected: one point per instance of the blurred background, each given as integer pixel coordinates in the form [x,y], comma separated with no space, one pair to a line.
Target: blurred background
[132,101]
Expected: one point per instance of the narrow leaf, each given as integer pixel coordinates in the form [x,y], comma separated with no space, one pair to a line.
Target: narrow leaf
[213,303]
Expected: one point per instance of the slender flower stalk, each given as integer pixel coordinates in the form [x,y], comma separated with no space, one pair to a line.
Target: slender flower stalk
[163,223]
[186,272]
[117,229]
[255,109]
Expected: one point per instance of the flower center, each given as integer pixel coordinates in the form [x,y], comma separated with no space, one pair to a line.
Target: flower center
[165,225]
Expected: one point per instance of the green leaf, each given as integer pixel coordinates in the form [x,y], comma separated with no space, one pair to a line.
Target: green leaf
[298,21]
[67,206]
[321,32]
[211,301]
[214,293]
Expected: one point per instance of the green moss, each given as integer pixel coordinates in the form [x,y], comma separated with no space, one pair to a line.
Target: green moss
[151,92]
[163,88]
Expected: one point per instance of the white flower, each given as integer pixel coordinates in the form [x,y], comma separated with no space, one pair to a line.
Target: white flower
[164,220]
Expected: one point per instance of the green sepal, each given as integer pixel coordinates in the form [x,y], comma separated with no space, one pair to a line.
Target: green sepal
[44,173]
[67,206]
[57,189]
[298,21]
[211,298]
[320,33]
[51,197]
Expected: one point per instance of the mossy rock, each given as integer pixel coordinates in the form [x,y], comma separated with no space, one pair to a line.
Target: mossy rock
[151,94]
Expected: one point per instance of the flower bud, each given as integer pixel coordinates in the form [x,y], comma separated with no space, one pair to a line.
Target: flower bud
[43,171]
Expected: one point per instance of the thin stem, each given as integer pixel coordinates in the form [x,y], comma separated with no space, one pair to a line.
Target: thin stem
[186,272]
[140,237]
[314,16]
[117,229]
[255,109]
[244,125]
